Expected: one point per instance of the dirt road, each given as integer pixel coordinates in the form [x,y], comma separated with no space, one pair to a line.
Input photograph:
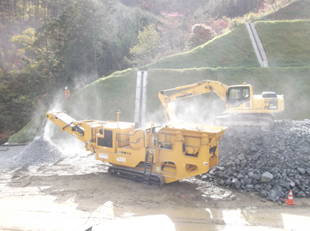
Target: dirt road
[76,193]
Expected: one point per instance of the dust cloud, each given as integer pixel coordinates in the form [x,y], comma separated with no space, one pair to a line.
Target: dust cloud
[202,109]
[66,143]
[199,109]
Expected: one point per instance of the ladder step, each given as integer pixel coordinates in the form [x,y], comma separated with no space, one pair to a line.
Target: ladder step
[148,166]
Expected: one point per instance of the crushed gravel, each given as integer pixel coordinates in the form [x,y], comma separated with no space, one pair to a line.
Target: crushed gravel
[40,151]
[251,159]
[269,162]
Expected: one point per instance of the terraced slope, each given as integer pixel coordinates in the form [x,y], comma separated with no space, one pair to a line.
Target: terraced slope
[286,43]
[228,50]
[296,10]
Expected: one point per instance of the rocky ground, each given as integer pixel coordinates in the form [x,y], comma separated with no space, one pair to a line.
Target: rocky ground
[48,189]
[270,162]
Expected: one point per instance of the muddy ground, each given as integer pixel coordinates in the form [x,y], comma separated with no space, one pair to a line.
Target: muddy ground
[76,193]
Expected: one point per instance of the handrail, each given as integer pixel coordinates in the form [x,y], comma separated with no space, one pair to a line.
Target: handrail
[165,141]
[125,141]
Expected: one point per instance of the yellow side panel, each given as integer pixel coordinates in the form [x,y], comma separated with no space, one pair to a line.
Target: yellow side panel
[135,156]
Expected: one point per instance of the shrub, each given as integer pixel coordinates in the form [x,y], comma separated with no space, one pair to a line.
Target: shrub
[200,35]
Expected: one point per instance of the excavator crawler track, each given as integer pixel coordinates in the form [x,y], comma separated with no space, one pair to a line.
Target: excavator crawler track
[154,179]
[256,120]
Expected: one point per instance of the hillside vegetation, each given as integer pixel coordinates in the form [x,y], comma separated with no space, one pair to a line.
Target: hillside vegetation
[286,44]
[229,58]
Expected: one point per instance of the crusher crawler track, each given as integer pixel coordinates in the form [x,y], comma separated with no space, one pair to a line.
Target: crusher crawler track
[154,179]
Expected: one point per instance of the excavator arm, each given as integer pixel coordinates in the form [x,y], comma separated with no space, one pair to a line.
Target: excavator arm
[187,91]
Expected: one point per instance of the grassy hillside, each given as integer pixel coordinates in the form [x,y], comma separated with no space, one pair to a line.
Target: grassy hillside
[100,99]
[286,43]
[103,97]
[296,10]
[228,50]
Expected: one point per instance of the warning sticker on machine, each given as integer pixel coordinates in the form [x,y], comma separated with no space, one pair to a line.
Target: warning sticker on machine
[103,156]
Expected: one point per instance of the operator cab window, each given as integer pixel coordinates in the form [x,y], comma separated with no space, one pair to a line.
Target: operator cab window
[238,95]
[107,141]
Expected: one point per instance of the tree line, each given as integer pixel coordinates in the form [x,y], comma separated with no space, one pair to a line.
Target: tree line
[34,12]
[73,45]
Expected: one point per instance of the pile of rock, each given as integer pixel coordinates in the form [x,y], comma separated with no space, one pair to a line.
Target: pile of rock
[270,162]
[40,151]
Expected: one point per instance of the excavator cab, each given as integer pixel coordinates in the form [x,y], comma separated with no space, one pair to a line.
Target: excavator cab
[237,95]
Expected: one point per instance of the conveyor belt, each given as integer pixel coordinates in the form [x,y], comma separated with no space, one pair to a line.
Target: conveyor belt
[68,120]
[64,118]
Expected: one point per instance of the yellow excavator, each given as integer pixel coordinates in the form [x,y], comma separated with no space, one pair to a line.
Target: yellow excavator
[152,155]
[242,107]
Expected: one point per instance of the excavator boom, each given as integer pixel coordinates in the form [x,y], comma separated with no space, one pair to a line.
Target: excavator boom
[191,90]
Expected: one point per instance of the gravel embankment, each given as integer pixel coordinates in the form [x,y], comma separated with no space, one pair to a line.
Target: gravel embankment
[269,162]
